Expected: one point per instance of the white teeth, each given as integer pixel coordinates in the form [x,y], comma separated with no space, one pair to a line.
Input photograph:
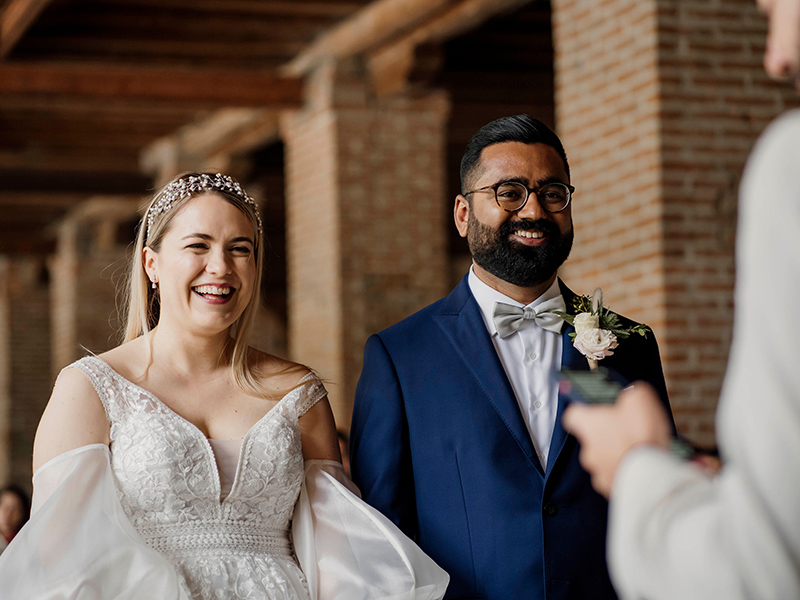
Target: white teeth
[212,289]
[530,234]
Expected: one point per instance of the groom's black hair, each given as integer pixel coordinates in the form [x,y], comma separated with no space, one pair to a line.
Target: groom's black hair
[518,128]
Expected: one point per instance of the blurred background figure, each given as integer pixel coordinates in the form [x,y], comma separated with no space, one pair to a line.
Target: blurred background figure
[14,513]
[674,531]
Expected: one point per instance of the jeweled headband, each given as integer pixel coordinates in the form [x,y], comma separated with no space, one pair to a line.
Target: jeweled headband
[195,184]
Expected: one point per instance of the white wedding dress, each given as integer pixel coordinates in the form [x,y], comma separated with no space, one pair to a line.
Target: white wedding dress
[286,530]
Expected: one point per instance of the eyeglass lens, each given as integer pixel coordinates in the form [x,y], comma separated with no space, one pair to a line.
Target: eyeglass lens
[553,197]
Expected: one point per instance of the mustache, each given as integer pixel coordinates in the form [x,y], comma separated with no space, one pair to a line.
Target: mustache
[540,225]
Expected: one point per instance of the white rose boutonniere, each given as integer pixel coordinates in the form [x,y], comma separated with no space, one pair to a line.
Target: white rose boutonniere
[595,343]
[597,330]
[586,321]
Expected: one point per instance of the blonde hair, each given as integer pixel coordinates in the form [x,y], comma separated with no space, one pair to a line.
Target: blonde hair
[142,310]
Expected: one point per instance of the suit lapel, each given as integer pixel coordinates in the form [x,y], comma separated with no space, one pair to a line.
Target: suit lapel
[570,359]
[463,325]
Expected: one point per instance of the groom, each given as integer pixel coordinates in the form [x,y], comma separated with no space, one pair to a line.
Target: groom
[456,432]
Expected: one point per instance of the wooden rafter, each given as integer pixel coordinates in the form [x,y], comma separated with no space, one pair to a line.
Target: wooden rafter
[201,87]
[372,26]
[388,31]
[39,200]
[211,142]
[67,160]
[16,19]
[327,8]
[391,64]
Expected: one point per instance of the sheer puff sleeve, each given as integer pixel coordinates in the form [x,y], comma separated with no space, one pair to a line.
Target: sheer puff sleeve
[79,543]
[350,551]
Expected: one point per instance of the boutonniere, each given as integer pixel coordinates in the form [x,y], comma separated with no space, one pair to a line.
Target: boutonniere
[597,329]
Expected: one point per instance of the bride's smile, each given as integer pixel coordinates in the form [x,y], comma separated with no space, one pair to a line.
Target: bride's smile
[205,266]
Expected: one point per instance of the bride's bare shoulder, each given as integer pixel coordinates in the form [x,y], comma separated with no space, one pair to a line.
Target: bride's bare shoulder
[277,374]
[129,358]
[74,417]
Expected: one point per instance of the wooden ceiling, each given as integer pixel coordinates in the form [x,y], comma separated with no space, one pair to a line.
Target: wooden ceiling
[86,85]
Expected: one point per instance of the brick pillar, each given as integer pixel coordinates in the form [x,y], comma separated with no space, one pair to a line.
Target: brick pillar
[64,269]
[366,220]
[25,380]
[89,266]
[658,103]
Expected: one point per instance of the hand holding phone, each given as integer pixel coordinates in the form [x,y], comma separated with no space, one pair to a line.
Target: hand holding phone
[602,386]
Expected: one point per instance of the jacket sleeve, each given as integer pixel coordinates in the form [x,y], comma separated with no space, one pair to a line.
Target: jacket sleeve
[654,375]
[380,456]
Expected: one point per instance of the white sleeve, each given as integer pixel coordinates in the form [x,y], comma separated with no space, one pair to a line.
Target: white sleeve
[78,542]
[350,551]
[674,533]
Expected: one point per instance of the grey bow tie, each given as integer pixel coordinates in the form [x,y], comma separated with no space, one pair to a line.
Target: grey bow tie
[508,319]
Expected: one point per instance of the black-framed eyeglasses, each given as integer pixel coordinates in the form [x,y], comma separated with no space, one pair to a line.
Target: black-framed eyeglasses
[511,196]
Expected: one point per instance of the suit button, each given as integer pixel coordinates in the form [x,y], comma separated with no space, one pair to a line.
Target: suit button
[550,509]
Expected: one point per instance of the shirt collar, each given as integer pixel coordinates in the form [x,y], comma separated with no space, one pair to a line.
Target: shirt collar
[486,297]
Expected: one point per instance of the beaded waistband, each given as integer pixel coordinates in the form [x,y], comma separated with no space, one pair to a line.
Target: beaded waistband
[217,538]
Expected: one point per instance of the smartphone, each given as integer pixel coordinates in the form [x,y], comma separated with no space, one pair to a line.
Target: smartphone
[600,386]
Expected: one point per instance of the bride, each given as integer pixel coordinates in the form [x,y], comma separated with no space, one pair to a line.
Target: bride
[184,464]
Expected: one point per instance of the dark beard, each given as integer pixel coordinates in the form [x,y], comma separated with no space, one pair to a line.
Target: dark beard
[523,266]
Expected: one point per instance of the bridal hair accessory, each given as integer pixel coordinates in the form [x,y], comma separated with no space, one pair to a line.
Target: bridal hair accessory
[597,329]
[195,184]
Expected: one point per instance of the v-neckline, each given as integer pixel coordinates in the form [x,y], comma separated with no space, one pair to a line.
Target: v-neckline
[199,432]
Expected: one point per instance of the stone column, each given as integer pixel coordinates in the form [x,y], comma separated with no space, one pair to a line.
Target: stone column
[366,219]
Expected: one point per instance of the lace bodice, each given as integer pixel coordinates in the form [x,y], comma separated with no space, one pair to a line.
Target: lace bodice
[169,487]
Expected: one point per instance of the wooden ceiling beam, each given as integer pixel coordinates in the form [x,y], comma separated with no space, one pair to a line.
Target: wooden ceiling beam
[87,182]
[221,87]
[41,201]
[135,26]
[99,162]
[207,135]
[16,19]
[372,26]
[336,10]
[117,49]
[391,64]
[264,131]
[104,108]
[212,141]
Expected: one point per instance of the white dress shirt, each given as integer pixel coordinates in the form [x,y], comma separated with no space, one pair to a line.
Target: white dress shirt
[532,360]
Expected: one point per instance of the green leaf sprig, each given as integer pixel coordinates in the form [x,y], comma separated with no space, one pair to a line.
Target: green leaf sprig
[608,320]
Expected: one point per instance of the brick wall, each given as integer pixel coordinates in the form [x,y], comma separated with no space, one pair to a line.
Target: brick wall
[716,99]
[366,220]
[26,355]
[84,297]
[313,242]
[658,103]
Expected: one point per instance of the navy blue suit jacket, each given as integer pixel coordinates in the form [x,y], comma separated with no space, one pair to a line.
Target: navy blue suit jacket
[439,445]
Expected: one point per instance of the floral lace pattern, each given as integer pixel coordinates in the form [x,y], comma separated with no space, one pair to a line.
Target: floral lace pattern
[169,487]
